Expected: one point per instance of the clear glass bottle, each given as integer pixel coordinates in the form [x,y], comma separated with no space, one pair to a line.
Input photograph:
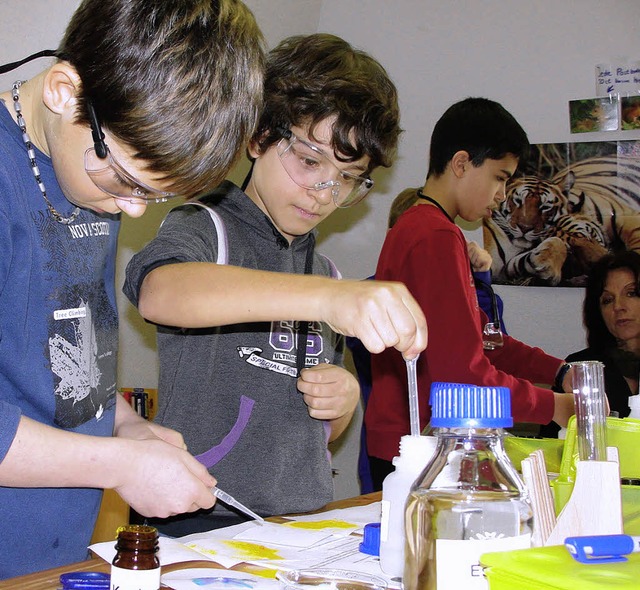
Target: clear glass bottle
[136,565]
[469,499]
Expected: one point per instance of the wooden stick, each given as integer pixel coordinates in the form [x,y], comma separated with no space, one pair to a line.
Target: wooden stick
[534,473]
[546,495]
[595,506]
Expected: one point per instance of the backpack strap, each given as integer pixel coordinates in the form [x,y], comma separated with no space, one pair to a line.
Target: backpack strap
[335,273]
[221,230]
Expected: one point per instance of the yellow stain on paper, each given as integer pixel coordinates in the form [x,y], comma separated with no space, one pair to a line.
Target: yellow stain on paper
[321,524]
[200,549]
[253,550]
[263,572]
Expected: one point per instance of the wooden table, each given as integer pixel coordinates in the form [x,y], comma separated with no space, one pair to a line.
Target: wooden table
[50,579]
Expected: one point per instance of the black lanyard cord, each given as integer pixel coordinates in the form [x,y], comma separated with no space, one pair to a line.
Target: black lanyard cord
[303,331]
[16,64]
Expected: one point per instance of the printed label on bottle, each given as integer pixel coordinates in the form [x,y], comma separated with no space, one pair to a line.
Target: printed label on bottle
[458,562]
[122,579]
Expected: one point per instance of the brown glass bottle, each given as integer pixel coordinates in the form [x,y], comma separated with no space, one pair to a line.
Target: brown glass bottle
[136,565]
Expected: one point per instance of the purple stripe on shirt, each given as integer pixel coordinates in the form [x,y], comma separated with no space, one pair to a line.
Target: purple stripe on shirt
[218,452]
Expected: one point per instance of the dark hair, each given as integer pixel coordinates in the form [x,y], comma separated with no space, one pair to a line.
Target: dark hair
[481,127]
[313,77]
[179,81]
[598,336]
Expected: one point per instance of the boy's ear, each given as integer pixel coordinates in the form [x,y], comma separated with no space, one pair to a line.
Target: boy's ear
[253,147]
[253,150]
[460,162]
[61,89]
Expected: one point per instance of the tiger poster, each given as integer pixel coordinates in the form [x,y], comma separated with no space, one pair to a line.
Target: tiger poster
[567,205]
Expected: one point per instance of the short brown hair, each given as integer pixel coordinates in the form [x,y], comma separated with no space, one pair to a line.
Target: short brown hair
[179,81]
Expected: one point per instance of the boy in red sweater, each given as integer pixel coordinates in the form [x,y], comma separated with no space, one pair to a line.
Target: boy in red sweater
[475,148]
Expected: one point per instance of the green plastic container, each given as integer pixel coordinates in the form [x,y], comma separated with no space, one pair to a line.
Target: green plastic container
[623,433]
[553,568]
[518,448]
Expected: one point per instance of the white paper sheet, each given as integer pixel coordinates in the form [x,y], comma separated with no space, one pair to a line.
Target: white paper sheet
[285,534]
[322,540]
[213,579]
[342,521]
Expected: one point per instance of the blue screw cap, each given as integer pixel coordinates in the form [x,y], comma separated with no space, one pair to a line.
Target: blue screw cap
[371,539]
[460,405]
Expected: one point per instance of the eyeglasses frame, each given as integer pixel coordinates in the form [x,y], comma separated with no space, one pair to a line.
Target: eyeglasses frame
[365,181]
[103,152]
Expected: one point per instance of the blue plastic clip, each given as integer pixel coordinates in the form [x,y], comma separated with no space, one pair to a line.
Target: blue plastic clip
[602,548]
[85,581]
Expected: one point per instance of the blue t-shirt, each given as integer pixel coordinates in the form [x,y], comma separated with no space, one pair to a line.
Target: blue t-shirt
[58,346]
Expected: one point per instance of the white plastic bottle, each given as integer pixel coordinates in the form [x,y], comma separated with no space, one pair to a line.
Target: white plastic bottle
[415,454]
[634,406]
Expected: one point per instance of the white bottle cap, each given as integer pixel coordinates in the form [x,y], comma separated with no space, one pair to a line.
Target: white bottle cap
[417,448]
[634,405]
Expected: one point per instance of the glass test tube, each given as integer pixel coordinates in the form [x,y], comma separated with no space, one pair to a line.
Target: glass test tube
[591,421]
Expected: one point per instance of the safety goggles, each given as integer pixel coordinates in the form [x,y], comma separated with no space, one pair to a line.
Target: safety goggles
[309,167]
[109,175]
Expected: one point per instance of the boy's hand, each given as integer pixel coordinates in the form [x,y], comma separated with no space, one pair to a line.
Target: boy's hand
[128,424]
[159,479]
[379,313]
[144,429]
[329,391]
[155,474]
[480,259]
[564,408]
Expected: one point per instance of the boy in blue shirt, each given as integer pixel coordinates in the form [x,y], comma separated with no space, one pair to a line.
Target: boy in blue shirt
[108,127]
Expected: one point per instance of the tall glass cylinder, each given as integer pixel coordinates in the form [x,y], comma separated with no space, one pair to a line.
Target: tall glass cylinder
[591,420]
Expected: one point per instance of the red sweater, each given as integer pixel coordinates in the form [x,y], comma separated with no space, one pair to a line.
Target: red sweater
[428,253]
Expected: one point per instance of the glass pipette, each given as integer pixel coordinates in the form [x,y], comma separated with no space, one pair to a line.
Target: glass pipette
[231,501]
[413,395]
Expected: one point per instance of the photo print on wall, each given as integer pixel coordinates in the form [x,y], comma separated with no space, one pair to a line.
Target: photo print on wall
[567,205]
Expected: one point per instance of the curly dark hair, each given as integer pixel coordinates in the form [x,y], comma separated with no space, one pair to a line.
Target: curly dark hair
[312,77]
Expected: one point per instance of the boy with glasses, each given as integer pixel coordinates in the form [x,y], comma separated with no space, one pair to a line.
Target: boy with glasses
[138,88]
[250,363]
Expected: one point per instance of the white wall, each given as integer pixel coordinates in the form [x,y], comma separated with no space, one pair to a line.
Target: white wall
[531,56]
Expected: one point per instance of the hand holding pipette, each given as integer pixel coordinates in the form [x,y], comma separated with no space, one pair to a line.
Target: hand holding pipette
[231,501]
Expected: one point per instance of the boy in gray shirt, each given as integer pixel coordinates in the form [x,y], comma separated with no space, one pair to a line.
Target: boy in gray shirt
[254,403]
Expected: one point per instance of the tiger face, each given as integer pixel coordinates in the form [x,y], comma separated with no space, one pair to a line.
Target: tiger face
[531,208]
